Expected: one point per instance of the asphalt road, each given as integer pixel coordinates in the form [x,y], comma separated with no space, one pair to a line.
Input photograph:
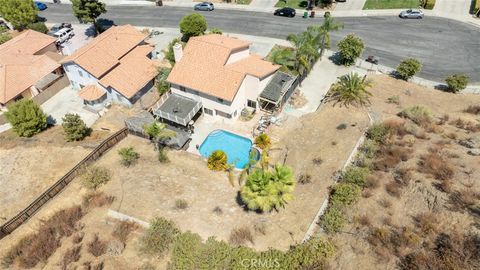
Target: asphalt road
[443,46]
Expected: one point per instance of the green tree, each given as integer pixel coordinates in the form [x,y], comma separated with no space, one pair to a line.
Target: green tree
[38,26]
[263,141]
[192,25]
[408,68]
[128,155]
[322,32]
[159,236]
[19,13]
[4,35]
[74,127]
[87,11]
[351,89]
[217,161]
[267,190]
[351,47]
[26,118]
[284,57]
[216,31]
[456,82]
[305,51]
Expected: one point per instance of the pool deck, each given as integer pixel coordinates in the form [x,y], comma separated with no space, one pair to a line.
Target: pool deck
[206,124]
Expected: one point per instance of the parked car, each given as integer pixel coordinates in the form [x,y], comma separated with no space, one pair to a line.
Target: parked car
[411,14]
[40,5]
[63,35]
[56,27]
[285,12]
[205,6]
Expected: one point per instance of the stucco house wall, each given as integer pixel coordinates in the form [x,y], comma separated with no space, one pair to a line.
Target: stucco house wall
[49,48]
[238,55]
[78,76]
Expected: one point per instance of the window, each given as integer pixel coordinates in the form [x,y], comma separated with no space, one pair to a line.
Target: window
[235,113]
[208,111]
[223,114]
[251,103]
[80,73]
[220,100]
[182,89]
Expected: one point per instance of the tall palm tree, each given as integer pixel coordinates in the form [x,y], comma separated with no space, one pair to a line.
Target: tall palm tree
[352,89]
[284,57]
[305,50]
[321,33]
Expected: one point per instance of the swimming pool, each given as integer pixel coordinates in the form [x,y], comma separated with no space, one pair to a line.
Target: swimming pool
[236,147]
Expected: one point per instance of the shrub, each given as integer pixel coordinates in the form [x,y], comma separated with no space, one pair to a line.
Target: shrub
[378,133]
[216,31]
[95,176]
[390,156]
[162,84]
[159,236]
[418,114]
[342,126]
[192,25]
[473,109]
[162,155]
[456,82]
[427,222]
[393,188]
[38,26]
[70,256]
[97,199]
[97,247]
[350,47]
[364,220]
[262,141]
[240,236]
[355,175]
[128,155]
[311,254]
[403,176]
[4,35]
[333,220]
[385,203]
[217,161]
[39,246]
[186,251]
[345,194]
[372,182]
[169,54]
[305,179]
[123,229]
[436,166]
[181,204]
[26,118]
[408,68]
[394,100]
[74,127]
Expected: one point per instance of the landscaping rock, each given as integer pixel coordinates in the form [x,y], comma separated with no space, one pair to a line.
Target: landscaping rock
[474,152]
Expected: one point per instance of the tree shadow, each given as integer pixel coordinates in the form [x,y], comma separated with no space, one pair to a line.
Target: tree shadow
[336,59]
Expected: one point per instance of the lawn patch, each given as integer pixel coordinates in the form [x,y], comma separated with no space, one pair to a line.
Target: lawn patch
[391,4]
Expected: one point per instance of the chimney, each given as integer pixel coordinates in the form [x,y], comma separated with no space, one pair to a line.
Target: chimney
[177,52]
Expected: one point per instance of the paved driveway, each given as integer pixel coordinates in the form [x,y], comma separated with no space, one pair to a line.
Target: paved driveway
[67,101]
[454,8]
[350,5]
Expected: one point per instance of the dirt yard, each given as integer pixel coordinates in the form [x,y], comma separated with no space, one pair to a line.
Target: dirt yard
[444,200]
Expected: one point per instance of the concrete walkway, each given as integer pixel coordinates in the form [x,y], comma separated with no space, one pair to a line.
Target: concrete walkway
[452,8]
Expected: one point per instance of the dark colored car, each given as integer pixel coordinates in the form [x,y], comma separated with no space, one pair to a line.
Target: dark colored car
[40,5]
[285,12]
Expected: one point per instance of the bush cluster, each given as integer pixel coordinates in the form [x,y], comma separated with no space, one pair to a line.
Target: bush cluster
[95,176]
[128,156]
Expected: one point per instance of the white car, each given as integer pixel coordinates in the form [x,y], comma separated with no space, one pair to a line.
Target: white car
[63,35]
[411,14]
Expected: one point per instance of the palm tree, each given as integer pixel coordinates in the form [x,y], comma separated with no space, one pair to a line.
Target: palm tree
[305,50]
[158,132]
[284,57]
[352,89]
[268,190]
[322,32]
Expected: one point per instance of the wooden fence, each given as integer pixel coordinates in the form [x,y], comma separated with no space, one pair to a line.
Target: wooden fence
[50,193]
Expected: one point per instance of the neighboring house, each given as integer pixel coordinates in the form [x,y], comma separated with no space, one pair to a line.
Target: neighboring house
[28,66]
[114,67]
[216,74]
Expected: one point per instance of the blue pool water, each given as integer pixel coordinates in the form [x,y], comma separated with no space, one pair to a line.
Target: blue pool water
[236,147]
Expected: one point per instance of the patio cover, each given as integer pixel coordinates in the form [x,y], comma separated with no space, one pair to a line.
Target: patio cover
[277,87]
[176,108]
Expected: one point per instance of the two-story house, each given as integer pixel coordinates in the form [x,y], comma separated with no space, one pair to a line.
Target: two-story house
[114,67]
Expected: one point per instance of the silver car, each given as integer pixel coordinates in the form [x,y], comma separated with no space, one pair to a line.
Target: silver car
[205,6]
[411,14]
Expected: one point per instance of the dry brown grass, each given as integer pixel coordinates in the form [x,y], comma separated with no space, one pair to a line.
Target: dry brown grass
[240,236]
[427,222]
[394,189]
[436,165]
[97,247]
[38,247]
[97,199]
[466,125]
[473,109]
[123,229]
[70,256]
[389,156]
[367,193]
[403,175]
[372,181]
[463,199]
[364,220]
[385,203]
